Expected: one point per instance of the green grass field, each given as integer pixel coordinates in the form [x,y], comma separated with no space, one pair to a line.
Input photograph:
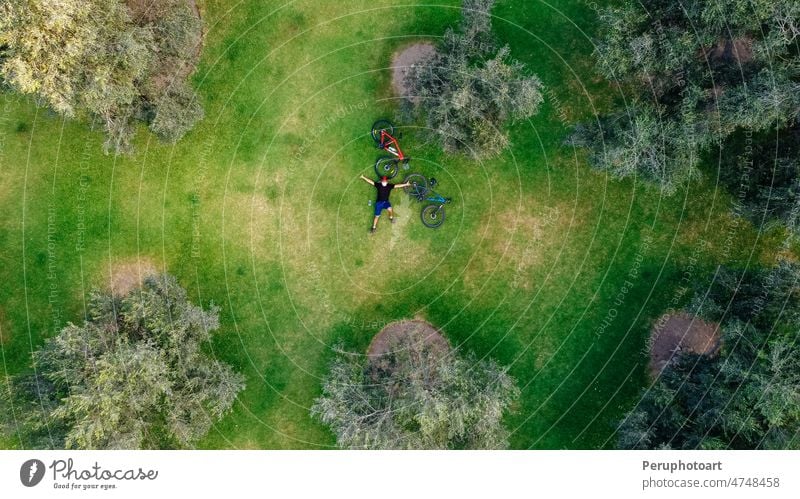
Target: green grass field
[543,264]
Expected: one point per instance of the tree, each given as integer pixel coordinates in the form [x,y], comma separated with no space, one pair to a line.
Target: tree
[644,142]
[468,89]
[762,171]
[89,57]
[748,397]
[134,375]
[707,68]
[416,398]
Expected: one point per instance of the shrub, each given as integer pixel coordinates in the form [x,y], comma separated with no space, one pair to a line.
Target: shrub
[710,68]
[97,58]
[468,89]
[134,375]
[177,110]
[420,401]
[762,172]
[745,398]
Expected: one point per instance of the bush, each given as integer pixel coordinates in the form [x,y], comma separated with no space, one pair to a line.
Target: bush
[468,90]
[177,110]
[99,59]
[745,398]
[643,141]
[134,375]
[762,172]
[416,400]
[709,68]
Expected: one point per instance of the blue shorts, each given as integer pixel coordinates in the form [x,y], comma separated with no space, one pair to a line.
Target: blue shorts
[380,206]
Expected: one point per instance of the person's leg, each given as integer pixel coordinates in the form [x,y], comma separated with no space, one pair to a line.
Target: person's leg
[391,214]
[378,209]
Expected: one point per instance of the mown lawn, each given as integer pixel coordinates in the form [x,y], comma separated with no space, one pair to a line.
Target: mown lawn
[543,264]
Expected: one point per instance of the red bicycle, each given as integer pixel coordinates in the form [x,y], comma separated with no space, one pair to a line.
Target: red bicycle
[384,136]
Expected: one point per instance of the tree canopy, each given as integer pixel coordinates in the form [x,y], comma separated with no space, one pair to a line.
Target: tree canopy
[100,59]
[415,398]
[747,397]
[698,71]
[468,89]
[134,375]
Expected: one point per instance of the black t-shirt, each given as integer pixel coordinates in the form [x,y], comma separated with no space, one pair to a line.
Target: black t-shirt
[383,191]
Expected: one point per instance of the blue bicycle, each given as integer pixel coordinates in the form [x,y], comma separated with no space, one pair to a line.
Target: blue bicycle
[421,189]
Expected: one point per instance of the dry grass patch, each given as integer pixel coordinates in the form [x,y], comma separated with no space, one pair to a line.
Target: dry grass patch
[520,240]
[123,276]
[252,221]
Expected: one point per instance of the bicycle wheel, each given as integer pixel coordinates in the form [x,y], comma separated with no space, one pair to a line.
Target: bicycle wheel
[418,187]
[386,166]
[381,125]
[433,215]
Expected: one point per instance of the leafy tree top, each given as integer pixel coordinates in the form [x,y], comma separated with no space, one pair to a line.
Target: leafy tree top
[93,58]
[748,396]
[469,88]
[698,71]
[134,375]
[416,398]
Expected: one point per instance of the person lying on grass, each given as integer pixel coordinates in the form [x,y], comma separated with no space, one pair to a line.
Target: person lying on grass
[384,188]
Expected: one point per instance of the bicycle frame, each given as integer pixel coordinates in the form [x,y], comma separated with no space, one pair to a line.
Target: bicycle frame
[437,198]
[389,143]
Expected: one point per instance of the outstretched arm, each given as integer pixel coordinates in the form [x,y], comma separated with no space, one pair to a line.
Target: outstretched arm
[370,182]
[396,186]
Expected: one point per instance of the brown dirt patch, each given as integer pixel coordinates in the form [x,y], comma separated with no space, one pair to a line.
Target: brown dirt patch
[402,61]
[126,275]
[676,333]
[406,334]
[740,50]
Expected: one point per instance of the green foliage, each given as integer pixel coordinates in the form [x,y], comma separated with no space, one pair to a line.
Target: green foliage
[762,171]
[469,89]
[172,106]
[644,142]
[710,67]
[748,396]
[176,112]
[76,55]
[90,58]
[134,375]
[416,399]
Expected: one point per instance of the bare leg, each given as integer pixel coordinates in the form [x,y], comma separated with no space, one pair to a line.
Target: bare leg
[391,214]
[375,222]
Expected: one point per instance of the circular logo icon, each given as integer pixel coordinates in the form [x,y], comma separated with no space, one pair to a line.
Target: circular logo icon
[31,472]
